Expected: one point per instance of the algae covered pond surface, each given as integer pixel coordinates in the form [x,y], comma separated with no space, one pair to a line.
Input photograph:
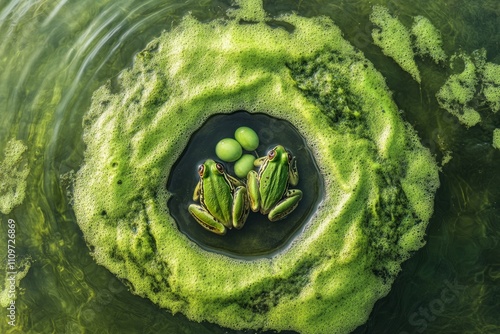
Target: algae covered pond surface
[55,55]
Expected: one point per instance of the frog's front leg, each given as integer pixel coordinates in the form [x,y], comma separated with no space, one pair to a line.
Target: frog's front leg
[253,190]
[205,219]
[260,161]
[284,207]
[196,192]
[240,207]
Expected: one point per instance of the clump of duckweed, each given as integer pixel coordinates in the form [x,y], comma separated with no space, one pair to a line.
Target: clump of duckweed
[14,171]
[394,39]
[427,39]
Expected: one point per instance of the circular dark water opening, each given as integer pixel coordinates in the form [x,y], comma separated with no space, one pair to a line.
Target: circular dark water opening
[259,237]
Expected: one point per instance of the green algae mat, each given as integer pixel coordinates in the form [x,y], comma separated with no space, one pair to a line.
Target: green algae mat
[379,181]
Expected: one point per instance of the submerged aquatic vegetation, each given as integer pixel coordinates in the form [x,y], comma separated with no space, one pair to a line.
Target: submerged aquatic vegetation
[379,180]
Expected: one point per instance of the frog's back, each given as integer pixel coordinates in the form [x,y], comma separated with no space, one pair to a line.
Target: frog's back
[218,199]
[273,184]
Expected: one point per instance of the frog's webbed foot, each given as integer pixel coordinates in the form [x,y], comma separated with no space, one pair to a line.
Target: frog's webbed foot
[205,219]
[259,161]
[284,207]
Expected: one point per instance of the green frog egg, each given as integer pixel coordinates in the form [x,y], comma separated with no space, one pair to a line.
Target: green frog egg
[244,165]
[228,150]
[247,138]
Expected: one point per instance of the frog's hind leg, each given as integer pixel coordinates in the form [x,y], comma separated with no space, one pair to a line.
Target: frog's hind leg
[284,207]
[293,176]
[253,190]
[241,208]
[205,219]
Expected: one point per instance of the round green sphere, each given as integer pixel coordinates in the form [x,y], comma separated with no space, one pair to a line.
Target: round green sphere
[228,150]
[244,165]
[247,138]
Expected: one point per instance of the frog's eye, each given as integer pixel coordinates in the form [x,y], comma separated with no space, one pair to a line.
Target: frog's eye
[220,167]
[271,154]
[290,157]
[201,169]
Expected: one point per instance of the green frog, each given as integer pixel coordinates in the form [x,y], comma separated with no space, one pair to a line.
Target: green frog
[223,199]
[268,190]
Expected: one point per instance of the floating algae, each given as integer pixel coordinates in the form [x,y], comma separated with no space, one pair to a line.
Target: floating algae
[496,138]
[477,85]
[459,90]
[394,40]
[379,180]
[459,94]
[12,279]
[13,173]
[491,85]
[428,40]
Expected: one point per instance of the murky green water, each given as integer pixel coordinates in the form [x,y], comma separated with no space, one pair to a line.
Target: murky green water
[53,55]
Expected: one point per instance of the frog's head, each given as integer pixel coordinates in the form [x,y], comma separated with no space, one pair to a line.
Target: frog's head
[280,154]
[210,167]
